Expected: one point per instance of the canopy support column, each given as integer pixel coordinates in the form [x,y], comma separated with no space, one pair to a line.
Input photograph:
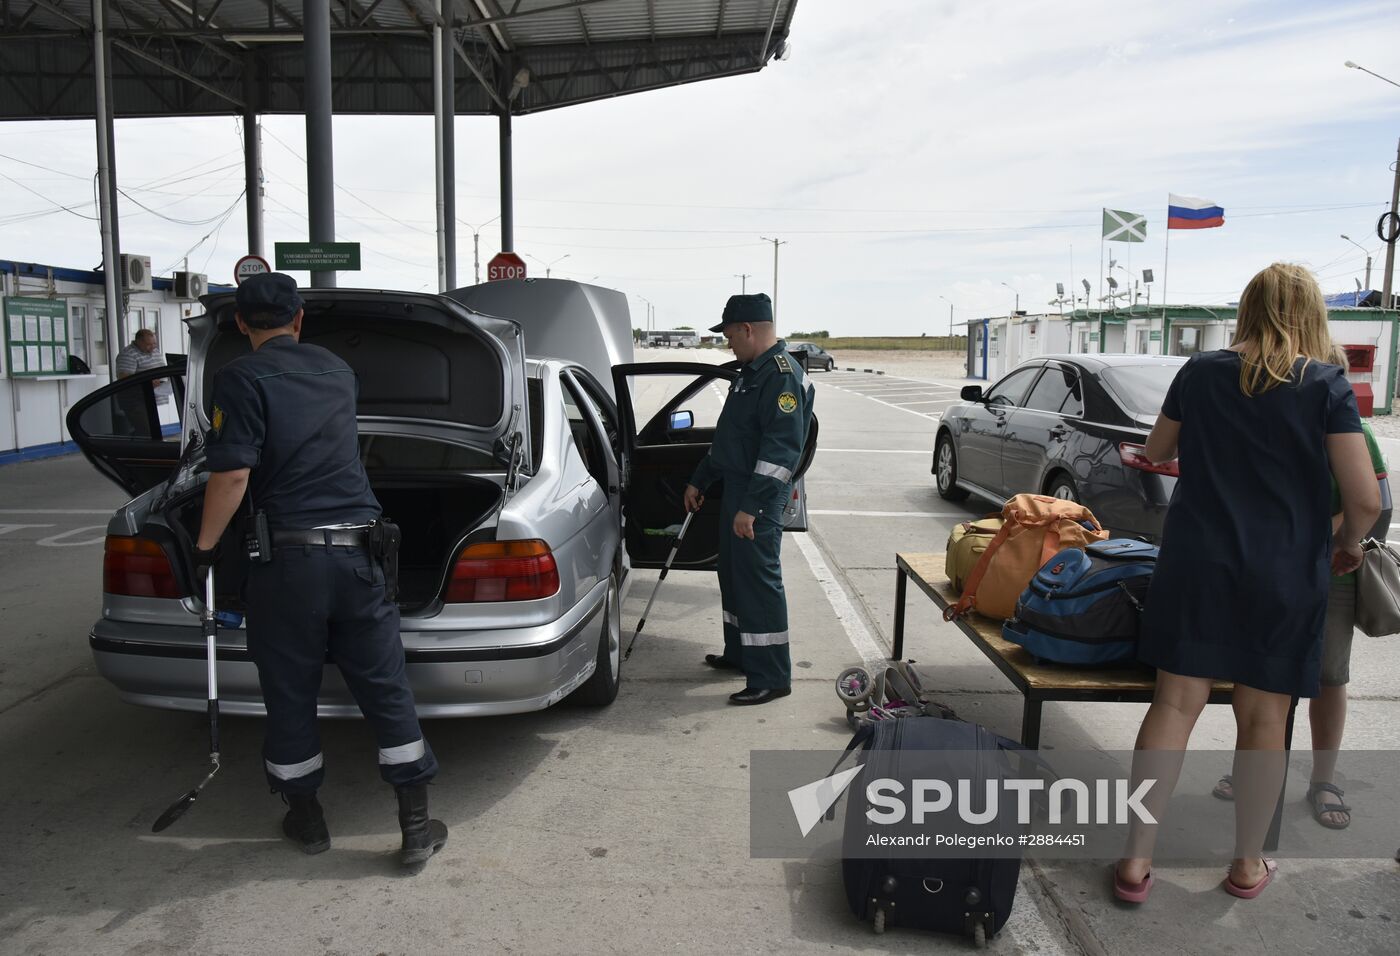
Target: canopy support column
[106,195]
[320,160]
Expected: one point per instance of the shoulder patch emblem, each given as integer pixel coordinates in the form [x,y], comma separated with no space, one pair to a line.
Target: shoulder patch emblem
[787,402]
[783,362]
[217,419]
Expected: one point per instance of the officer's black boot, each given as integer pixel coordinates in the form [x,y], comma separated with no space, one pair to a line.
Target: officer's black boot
[422,837]
[305,824]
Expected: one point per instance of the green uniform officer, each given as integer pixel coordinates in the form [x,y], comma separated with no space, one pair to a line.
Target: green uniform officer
[757,445]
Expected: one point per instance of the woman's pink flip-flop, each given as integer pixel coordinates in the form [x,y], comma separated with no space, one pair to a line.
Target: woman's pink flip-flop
[1250,892]
[1131,892]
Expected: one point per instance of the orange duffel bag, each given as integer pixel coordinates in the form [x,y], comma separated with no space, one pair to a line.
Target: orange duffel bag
[1036,528]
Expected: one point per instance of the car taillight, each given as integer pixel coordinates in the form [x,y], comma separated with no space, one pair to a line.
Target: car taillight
[1135,456]
[137,567]
[503,571]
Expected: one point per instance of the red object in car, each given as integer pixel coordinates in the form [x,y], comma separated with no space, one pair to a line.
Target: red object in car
[137,567]
[1135,456]
[503,571]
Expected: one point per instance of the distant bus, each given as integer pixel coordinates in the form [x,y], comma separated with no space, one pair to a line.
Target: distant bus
[673,339]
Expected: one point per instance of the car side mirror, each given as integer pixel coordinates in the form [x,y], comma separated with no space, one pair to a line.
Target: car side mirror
[682,420]
[972,393]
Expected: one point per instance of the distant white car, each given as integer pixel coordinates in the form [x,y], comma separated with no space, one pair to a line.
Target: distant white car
[525,487]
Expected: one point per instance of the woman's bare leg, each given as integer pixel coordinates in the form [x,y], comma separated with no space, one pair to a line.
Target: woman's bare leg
[1260,721]
[1177,703]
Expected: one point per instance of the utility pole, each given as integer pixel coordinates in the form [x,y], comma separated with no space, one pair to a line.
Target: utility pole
[1389,278]
[776,244]
[743,278]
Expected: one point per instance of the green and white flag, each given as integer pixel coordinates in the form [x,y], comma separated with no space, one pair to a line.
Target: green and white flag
[1120,226]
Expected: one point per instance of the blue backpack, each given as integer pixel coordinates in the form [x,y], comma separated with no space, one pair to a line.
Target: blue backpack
[1084,606]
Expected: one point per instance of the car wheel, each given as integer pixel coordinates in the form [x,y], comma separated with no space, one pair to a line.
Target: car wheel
[601,689]
[945,469]
[1062,486]
[830,364]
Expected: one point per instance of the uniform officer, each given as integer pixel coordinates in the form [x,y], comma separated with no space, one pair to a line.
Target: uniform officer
[757,445]
[284,431]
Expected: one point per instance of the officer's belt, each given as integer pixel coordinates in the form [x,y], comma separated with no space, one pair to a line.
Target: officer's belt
[327,537]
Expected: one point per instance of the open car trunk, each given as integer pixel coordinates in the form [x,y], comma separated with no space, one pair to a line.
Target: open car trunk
[435,512]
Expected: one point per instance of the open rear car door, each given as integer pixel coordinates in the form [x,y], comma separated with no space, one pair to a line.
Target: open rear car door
[130,429]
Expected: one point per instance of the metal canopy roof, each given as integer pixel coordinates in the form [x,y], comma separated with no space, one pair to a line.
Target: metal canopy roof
[210,57]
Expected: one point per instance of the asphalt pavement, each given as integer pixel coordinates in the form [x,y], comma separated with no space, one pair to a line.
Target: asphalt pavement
[622,830]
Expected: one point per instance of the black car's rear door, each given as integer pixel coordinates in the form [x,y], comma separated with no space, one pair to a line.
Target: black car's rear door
[1037,431]
[130,429]
[667,413]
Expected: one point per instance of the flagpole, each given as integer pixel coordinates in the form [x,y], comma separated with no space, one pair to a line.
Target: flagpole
[1166,261]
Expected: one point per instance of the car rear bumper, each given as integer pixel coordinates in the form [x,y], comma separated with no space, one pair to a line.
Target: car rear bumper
[452,673]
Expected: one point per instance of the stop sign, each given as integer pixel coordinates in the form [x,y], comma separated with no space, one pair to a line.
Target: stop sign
[505,265]
[249,266]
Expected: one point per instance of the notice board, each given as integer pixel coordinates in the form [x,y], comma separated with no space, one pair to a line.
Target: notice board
[36,336]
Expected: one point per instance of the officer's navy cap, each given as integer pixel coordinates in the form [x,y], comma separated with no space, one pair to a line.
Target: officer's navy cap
[745,308]
[268,293]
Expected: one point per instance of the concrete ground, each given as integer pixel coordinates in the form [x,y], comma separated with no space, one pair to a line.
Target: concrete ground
[576,831]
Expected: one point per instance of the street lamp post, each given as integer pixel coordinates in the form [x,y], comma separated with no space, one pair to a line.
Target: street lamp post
[549,265]
[743,278]
[476,245]
[647,322]
[950,314]
[776,244]
[1368,259]
[1018,298]
[1388,278]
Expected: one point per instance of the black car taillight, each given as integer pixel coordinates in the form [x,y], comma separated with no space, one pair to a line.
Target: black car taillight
[1135,456]
[137,567]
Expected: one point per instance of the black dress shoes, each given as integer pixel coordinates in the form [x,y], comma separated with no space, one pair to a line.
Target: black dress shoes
[720,662]
[758,695]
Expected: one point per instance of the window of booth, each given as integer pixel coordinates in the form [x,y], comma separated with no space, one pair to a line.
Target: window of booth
[78,331]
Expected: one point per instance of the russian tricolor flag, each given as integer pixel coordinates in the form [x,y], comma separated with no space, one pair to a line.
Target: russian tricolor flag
[1188,212]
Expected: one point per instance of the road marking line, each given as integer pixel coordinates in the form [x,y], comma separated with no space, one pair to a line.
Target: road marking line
[892,514]
[7,528]
[936,401]
[54,511]
[871,654]
[874,451]
[885,403]
[56,540]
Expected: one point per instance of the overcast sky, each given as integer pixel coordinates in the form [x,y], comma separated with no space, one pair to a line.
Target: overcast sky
[908,150]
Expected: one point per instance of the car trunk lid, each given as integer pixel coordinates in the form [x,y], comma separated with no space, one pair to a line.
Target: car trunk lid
[419,360]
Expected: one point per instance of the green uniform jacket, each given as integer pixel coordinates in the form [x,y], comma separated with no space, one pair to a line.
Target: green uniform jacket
[758,441]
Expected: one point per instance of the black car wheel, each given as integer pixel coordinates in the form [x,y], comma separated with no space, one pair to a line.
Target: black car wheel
[830,364]
[945,469]
[1062,486]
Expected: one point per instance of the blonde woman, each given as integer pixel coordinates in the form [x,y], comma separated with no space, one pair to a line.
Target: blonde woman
[1240,590]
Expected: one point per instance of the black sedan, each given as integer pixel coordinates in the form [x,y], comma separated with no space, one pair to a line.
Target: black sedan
[1071,426]
[817,357]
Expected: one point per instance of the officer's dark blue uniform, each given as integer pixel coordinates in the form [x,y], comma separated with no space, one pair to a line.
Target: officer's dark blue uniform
[287,413]
[757,446]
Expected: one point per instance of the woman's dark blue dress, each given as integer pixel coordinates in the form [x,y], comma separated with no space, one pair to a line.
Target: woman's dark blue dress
[1240,590]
